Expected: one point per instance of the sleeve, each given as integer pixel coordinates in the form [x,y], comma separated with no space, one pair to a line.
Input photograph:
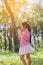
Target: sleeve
[27,34]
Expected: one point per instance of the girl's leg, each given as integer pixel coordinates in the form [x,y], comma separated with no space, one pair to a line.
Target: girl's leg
[28,58]
[22,59]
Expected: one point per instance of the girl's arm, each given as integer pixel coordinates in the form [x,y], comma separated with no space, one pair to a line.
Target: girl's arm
[26,36]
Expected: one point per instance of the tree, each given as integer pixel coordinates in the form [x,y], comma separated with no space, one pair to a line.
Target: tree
[12,26]
[36,20]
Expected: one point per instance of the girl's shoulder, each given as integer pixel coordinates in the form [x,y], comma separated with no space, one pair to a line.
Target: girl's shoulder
[27,31]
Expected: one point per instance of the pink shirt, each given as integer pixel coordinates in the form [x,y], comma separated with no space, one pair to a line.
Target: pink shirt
[23,41]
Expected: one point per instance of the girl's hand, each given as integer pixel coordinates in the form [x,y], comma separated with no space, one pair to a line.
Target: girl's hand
[19,34]
[19,31]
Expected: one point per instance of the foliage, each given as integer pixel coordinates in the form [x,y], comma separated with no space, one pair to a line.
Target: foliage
[16,13]
[11,58]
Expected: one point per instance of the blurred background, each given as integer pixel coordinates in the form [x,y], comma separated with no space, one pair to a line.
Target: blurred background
[12,13]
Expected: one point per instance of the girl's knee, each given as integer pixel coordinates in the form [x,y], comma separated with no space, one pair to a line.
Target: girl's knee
[28,56]
[21,57]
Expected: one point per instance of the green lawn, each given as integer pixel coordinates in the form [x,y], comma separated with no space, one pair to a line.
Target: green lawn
[11,58]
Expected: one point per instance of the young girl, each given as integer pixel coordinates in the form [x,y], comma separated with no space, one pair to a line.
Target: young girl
[25,47]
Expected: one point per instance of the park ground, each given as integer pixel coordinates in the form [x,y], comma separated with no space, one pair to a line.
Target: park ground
[11,58]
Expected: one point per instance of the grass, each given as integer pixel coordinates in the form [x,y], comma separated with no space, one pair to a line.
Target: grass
[11,58]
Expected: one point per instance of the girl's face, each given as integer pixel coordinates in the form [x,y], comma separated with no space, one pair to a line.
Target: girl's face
[23,27]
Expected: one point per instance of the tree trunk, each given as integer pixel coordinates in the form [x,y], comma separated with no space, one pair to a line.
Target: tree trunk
[13,25]
[5,42]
